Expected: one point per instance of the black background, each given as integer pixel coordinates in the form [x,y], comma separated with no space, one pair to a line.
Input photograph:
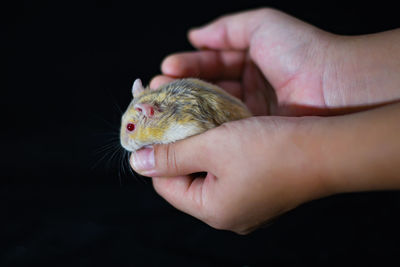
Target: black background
[65,198]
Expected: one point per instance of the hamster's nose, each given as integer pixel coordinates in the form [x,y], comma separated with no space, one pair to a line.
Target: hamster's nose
[130,127]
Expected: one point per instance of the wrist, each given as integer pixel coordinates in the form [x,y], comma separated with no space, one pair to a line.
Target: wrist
[308,137]
[362,70]
[292,149]
[359,152]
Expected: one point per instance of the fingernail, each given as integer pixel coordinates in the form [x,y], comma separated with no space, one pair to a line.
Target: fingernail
[142,160]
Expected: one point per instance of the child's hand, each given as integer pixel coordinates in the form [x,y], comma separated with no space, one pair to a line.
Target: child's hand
[256,169]
[279,65]
[260,167]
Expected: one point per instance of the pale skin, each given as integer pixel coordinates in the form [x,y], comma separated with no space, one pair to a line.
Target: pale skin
[263,166]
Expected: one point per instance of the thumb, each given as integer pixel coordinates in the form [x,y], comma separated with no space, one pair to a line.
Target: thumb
[179,158]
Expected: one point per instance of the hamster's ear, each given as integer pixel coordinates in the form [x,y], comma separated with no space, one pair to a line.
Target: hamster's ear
[145,109]
[137,88]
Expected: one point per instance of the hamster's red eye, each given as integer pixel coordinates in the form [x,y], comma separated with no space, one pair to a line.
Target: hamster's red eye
[130,127]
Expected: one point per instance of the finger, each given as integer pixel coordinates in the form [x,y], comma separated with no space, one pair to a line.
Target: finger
[179,158]
[159,80]
[182,192]
[231,32]
[232,87]
[209,65]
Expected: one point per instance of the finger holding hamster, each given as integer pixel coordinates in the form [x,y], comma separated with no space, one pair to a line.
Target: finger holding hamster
[179,158]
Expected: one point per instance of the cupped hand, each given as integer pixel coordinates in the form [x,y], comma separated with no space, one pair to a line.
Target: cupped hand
[279,65]
[256,168]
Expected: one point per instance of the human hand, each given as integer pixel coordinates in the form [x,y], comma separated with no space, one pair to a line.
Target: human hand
[257,168]
[279,65]
[260,167]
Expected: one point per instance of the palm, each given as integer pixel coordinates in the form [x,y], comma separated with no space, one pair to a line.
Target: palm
[297,95]
[286,65]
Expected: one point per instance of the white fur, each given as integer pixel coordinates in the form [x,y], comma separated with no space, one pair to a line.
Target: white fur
[174,133]
[132,145]
[178,131]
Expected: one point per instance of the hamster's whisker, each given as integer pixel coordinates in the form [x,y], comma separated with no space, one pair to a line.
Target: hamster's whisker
[113,134]
[105,147]
[114,101]
[120,160]
[113,155]
[118,155]
[110,143]
[105,151]
[119,177]
[114,126]
[118,108]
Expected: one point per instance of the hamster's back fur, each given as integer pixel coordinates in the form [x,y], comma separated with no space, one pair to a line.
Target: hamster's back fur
[194,101]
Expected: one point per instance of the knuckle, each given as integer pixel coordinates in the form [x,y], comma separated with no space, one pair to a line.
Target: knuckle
[171,162]
[267,11]
[223,221]
[226,217]
[219,218]
[217,223]
[242,231]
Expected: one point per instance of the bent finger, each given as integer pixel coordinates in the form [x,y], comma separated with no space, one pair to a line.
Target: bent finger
[231,32]
[182,192]
[210,65]
[233,87]
[159,80]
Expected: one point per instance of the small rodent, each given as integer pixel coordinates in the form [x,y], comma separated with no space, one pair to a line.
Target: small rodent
[175,111]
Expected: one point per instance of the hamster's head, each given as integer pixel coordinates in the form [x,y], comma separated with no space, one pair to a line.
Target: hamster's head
[134,133]
[149,121]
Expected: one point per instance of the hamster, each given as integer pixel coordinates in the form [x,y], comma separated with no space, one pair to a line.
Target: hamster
[175,111]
